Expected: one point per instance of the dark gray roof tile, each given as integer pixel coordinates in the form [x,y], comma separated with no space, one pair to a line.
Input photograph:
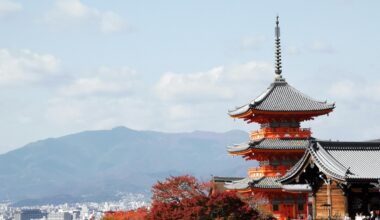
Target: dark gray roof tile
[261,182]
[272,144]
[282,97]
[345,161]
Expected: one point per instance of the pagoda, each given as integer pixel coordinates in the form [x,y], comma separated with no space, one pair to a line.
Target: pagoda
[278,145]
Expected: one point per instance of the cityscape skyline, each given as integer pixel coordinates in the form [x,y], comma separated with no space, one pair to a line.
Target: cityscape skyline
[68,66]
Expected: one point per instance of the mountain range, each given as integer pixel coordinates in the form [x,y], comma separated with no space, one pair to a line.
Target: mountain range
[99,165]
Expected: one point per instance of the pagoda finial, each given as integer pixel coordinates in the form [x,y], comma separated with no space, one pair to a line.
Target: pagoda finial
[278,67]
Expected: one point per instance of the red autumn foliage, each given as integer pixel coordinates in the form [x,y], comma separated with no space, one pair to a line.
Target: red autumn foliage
[177,188]
[228,204]
[184,197]
[138,214]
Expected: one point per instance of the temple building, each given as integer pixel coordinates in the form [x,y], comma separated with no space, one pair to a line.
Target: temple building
[300,176]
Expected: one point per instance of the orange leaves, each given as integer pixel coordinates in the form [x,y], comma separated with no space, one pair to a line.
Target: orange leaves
[138,214]
[184,197]
[177,188]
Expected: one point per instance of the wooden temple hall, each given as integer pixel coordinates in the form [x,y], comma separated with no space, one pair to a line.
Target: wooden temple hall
[300,176]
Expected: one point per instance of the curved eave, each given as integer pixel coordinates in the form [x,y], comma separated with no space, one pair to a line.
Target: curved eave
[240,153]
[296,169]
[323,160]
[327,163]
[242,184]
[252,151]
[243,147]
[251,114]
[297,188]
[301,112]
[242,112]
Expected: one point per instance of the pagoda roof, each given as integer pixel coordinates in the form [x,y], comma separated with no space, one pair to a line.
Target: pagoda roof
[282,97]
[271,144]
[343,161]
[266,183]
[296,188]
[249,182]
[225,179]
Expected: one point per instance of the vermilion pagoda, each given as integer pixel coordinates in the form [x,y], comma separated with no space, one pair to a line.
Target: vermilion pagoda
[299,176]
[279,143]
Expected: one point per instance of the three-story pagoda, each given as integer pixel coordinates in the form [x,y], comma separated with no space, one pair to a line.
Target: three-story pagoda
[279,143]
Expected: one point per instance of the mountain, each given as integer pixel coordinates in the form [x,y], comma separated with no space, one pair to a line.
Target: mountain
[96,165]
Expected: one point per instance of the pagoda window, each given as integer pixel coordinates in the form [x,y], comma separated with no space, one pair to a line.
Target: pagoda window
[276,205]
[286,161]
[264,163]
[301,203]
[288,200]
[283,124]
[275,162]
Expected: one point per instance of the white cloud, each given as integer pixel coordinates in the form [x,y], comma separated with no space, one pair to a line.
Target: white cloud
[193,86]
[8,6]
[356,91]
[73,8]
[250,72]
[112,97]
[252,42]
[74,12]
[101,99]
[322,47]
[343,89]
[96,112]
[105,81]
[293,50]
[25,66]
[111,22]
[216,84]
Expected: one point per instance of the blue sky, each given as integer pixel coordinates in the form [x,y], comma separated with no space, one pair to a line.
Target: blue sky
[73,65]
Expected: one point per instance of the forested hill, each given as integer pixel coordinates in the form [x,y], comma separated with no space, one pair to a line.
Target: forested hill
[97,165]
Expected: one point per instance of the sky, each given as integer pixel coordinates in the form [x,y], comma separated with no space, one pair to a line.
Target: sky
[177,66]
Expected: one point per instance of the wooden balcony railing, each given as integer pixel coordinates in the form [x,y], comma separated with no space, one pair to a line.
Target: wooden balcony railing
[300,133]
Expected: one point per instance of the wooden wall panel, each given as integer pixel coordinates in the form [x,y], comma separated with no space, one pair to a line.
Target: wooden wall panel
[338,202]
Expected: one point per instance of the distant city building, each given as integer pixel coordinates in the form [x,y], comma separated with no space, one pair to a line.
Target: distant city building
[76,214]
[30,214]
[60,216]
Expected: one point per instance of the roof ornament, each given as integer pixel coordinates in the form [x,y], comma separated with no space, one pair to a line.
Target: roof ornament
[348,172]
[278,67]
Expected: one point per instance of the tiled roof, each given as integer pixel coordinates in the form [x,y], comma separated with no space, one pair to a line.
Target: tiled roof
[239,147]
[295,169]
[273,144]
[282,97]
[225,179]
[261,182]
[345,161]
[280,144]
[297,188]
[266,182]
[349,160]
[239,184]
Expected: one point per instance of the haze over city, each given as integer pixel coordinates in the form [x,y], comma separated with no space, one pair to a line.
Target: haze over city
[69,65]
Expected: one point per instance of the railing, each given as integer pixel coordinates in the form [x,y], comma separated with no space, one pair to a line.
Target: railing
[281,133]
[256,172]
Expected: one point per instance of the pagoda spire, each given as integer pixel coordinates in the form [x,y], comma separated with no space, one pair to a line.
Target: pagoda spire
[278,67]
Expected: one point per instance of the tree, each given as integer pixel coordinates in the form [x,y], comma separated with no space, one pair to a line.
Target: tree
[227,205]
[138,214]
[177,188]
[184,197]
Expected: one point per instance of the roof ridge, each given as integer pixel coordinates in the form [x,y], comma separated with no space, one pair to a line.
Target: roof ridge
[328,160]
[262,96]
[307,96]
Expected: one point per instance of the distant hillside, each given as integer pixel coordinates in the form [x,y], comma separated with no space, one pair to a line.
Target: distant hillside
[97,165]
